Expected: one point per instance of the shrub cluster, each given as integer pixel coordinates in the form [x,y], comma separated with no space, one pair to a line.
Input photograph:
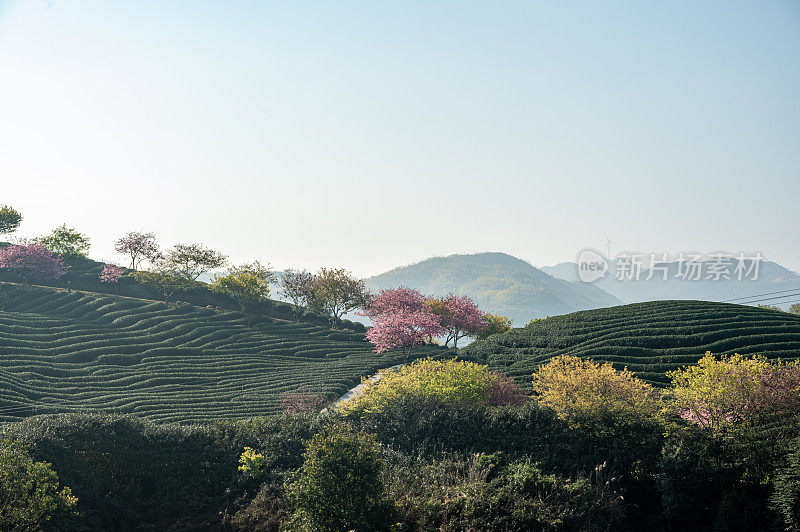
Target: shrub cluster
[581,389]
[447,381]
[431,452]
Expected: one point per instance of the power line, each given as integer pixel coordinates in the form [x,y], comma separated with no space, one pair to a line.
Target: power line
[767,299]
[760,295]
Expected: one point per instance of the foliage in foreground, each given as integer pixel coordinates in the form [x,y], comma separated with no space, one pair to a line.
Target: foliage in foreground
[786,497]
[494,492]
[437,461]
[339,486]
[131,474]
[30,495]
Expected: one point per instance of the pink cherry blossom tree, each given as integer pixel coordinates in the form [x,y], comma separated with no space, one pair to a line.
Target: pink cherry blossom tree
[459,316]
[111,274]
[394,300]
[403,329]
[778,392]
[31,262]
[302,401]
[503,391]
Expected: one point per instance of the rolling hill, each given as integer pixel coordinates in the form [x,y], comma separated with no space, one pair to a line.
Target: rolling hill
[84,274]
[499,283]
[80,352]
[649,338]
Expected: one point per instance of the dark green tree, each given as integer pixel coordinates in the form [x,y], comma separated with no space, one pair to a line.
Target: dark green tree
[248,285]
[164,282]
[786,497]
[339,486]
[66,242]
[190,261]
[9,219]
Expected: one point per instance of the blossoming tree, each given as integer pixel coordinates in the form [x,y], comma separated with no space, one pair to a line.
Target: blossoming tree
[31,262]
[138,246]
[111,274]
[403,330]
[459,316]
[733,390]
[395,300]
[404,317]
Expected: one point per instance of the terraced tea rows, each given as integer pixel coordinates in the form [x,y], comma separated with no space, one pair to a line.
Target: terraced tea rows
[65,352]
[649,338]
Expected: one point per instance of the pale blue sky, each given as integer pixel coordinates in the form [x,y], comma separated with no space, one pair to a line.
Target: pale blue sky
[373,134]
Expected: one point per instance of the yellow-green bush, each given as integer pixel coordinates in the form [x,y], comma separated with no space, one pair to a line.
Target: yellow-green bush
[447,381]
[579,388]
[250,462]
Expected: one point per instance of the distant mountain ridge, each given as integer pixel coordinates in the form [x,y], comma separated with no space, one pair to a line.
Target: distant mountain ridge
[772,277]
[499,283]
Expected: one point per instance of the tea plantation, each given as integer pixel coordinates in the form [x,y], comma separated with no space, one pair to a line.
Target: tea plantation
[73,351]
[649,338]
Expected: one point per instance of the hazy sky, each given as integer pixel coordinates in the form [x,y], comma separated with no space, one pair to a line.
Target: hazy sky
[373,134]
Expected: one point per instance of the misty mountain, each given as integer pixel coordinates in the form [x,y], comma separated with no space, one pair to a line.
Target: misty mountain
[499,283]
[772,277]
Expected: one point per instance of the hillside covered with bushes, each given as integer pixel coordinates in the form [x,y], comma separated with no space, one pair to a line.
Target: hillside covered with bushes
[77,351]
[650,338]
[438,445]
[83,273]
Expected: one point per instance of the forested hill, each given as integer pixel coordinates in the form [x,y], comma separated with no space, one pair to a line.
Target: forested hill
[499,283]
[649,338]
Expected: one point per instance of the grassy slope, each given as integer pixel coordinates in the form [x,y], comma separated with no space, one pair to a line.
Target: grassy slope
[65,352]
[649,338]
